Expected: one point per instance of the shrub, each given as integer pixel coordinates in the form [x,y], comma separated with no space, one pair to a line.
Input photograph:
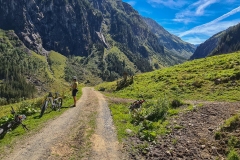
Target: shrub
[5,119]
[176,103]
[231,123]
[218,135]
[148,135]
[159,110]
[233,142]
[197,83]
[124,83]
[233,155]
[27,108]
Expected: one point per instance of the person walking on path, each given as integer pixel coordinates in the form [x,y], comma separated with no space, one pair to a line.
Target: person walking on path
[74,90]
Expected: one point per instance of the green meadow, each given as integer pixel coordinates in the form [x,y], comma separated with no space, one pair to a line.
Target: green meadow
[210,79]
[214,78]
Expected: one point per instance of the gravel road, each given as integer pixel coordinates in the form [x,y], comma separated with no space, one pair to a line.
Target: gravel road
[42,145]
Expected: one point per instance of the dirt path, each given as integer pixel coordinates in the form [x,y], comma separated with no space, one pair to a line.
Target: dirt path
[54,140]
[105,144]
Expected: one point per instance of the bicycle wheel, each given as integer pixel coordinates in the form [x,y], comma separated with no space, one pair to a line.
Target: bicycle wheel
[59,103]
[1,130]
[44,106]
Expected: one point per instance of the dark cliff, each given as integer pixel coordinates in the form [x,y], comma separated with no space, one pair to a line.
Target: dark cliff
[207,47]
[66,27]
[230,41]
[172,43]
[223,42]
[70,27]
[126,26]
[109,35]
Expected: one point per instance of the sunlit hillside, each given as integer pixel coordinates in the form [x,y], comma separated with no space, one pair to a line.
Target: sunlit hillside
[212,78]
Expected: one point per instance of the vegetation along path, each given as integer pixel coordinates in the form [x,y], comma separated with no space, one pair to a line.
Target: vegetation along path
[62,137]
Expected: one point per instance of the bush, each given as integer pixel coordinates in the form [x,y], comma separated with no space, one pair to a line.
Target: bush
[148,135]
[197,83]
[124,83]
[231,123]
[176,103]
[27,108]
[146,115]
[233,142]
[233,155]
[218,136]
[159,110]
[146,131]
[3,101]
[5,119]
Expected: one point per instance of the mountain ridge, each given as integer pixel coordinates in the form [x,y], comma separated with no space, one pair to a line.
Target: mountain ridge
[224,42]
[171,42]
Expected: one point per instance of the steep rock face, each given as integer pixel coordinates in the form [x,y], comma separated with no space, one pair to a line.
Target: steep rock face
[70,27]
[171,42]
[223,42]
[207,47]
[229,42]
[127,27]
[52,24]
[109,35]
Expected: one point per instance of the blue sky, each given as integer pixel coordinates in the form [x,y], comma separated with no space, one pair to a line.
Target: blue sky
[193,21]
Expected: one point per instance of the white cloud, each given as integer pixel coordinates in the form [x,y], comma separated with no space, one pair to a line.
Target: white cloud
[200,10]
[195,39]
[132,3]
[193,10]
[168,3]
[214,26]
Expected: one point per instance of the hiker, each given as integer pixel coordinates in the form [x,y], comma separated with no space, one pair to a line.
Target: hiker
[74,90]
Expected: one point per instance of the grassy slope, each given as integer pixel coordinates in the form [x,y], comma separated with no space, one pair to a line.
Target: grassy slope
[192,80]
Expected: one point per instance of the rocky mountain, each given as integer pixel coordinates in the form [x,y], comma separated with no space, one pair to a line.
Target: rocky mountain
[223,42]
[207,47]
[171,42]
[98,40]
[229,42]
[109,36]
[45,25]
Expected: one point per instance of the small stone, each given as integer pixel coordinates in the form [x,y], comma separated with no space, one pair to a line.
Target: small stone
[210,129]
[129,131]
[213,148]
[156,154]
[203,146]
[168,153]
[194,108]
[180,155]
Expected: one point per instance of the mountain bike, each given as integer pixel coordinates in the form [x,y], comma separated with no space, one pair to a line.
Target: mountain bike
[17,120]
[54,102]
